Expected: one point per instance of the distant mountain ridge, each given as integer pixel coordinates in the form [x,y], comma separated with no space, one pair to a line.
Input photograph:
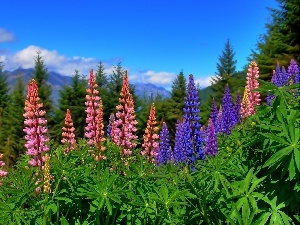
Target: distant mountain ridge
[57,81]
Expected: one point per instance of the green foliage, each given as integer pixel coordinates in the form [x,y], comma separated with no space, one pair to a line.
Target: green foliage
[12,135]
[3,90]
[281,41]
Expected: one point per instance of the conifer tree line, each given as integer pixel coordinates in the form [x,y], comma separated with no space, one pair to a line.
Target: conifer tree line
[279,44]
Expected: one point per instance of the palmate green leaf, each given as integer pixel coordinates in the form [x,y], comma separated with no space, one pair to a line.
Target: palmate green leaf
[277,156]
[64,221]
[297,157]
[275,138]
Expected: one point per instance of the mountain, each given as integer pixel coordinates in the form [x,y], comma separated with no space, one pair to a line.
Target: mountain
[57,81]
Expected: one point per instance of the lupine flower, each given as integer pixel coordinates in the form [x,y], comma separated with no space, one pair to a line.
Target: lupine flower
[92,103]
[151,145]
[214,112]
[68,133]
[218,124]
[110,123]
[2,172]
[247,108]
[294,72]
[164,153]
[228,117]
[237,108]
[252,83]
[203,132]
[124,125]
[47,187]
[99,138]
[183,142]
[211,147]
[36,128]
[191,115]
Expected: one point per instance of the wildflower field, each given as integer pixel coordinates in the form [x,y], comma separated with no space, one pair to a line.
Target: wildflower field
[242,167]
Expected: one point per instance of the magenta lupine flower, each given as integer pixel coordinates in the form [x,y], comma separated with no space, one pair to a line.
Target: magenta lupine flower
[36,128]
[2,172]
[92,103]
[211,147]
[151,144]
[125,123]
[68,135]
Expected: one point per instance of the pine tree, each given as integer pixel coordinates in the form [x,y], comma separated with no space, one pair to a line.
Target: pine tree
[281,41]
[44,88]
[226,72]
[12,135]
[4,89]
[71,97]
[178,93]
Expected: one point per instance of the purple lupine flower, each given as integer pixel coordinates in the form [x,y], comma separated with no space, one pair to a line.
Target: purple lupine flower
[294,72]
[214,112]
[219,121]
[191,115]
[110,122]
[211,147]
[227,112]
[237,108]
[183,151]
[164,153]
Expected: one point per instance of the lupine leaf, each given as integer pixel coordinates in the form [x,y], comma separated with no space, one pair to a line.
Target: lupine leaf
[278,155]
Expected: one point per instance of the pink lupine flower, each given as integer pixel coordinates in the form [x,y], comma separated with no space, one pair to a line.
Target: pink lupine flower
[248,106]
[151,144]
[92,103]
[36,128]
[123,129]
[68,133]
[99,138]
[2,172]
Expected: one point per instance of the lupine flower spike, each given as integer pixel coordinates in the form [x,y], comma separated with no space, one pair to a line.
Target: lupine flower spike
[123,134]
[2,172]
[211,142]
[36,128]
[247,108]
[47,187]
[68,133]
[92,103]
[252,83]
[228,115]
[191,115]
[151,145]
[237,108]
[110,123]
[164,153]
[99,138]
[214,112]
[219,121]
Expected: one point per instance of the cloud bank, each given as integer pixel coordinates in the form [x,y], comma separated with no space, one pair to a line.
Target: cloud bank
[67,65]
[6,36]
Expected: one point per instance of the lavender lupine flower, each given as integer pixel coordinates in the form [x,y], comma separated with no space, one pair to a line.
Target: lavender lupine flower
[92,103]
[151,144]
[228,119]
[237,108]
[36,128]
[191,115]
[214,112]
[68,133]
[211,147]
[123,134]
[183,143]
[164,153]
[110,123]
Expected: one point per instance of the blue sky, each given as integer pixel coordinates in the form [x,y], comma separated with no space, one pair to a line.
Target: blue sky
[154,39]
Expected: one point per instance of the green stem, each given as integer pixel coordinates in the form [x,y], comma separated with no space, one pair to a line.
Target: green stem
[45,219]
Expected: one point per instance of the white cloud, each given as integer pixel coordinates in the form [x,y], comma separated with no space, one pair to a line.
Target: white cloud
[66,66]
[204,81]
[6,36]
